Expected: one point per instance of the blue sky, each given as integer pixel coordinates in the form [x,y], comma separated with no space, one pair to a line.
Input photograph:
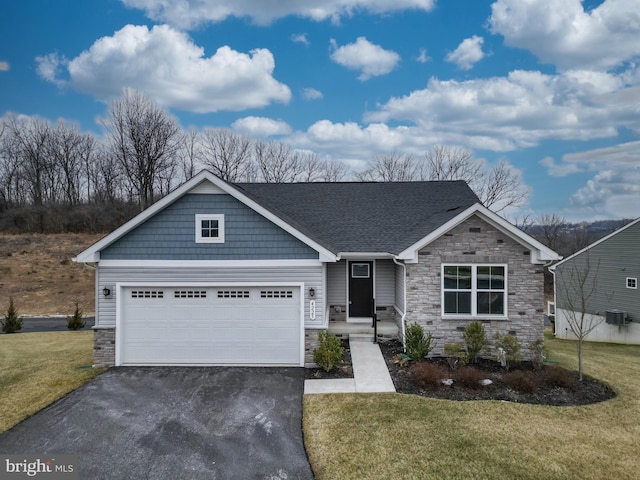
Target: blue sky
[552,87]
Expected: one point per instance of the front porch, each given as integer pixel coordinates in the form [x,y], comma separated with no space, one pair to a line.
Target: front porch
[342,329]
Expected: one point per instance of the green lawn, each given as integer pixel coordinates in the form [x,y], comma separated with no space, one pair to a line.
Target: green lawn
[389,436]
[36,369]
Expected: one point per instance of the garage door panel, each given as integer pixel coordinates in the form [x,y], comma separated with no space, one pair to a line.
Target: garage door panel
[211,325]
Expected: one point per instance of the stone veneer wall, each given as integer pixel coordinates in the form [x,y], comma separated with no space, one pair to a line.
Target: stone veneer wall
[310,344]
[104,347]
[476,241]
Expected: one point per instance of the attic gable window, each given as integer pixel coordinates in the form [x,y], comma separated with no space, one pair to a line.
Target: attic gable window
[632,283]
[209,228]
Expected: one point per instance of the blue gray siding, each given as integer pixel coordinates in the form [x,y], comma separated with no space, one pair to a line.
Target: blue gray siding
[311,276]
[609,264]
[170,235]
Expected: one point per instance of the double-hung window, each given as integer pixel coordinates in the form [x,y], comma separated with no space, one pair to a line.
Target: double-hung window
[474,290]
[209,228]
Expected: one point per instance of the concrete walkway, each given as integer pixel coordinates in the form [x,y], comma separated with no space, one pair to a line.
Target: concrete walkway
[369,370]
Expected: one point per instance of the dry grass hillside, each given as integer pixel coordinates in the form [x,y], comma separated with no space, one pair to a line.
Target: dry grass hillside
[37,271]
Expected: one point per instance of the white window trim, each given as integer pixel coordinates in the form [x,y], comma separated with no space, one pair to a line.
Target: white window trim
[474,291]
[200,238]
[635,282]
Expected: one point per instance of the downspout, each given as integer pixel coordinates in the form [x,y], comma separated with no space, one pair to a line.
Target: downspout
[404,299]
[555,303]
[96,294]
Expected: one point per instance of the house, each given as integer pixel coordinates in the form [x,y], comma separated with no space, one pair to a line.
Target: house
[246,274]
[608,271]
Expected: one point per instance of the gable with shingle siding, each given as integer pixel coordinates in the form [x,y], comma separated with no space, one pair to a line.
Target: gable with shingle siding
[170,235]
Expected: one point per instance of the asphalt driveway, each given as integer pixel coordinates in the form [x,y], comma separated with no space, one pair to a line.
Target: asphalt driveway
[176,423]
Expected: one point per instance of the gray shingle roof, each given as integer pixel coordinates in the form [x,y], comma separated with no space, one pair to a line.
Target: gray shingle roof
[364,217]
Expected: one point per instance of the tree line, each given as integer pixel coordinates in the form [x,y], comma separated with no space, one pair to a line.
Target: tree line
[54,178]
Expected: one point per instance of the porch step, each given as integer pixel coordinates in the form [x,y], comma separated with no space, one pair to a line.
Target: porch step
[360,337]
[389,329]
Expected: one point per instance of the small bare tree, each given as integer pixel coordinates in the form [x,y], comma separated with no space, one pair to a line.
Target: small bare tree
[577,284]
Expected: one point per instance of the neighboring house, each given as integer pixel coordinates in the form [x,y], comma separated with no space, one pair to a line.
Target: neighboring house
[610,268]
[246,274]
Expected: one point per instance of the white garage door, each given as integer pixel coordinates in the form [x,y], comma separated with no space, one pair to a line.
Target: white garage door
[210,325]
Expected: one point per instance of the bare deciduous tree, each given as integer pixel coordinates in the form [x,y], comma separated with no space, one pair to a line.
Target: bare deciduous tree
[144,139]
[497,189]
[392,167]
[28,139]
[227,153]
[576,284]
[452,163]
[190,153]
[312,168]
[70,150]
[333,170]
[551,229]
[277,162]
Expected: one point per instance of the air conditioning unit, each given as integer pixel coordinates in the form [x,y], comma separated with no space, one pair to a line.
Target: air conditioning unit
[616,316]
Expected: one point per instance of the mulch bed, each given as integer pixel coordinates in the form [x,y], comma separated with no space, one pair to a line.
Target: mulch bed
[344,370]
[580,393]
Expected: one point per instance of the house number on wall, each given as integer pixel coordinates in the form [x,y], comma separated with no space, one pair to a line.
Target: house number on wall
[312,309]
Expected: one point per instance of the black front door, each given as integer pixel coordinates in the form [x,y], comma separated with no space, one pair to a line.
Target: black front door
[360,289]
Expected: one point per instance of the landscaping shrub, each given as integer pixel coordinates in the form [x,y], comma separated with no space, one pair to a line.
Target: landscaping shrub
[455,354]
[418,344]
[468,377]
[507,349]
[427,374]
[12,323]
[329,351]
[539,353]
[75,321]
[523,382]
[475,340]
[558,377]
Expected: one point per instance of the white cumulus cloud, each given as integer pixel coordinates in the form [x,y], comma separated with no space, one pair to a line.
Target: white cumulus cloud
[422,56]
[189,14]
[468,53]
[370,59]
[49,67]
[516,111]
[168,66]
[261,126]
[563,33]
[614,187]
[4,66]
[300,38]
[311,94]
[559,170]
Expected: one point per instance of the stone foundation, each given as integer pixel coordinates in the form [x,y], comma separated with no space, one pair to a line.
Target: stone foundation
[104,347]
[310,344]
